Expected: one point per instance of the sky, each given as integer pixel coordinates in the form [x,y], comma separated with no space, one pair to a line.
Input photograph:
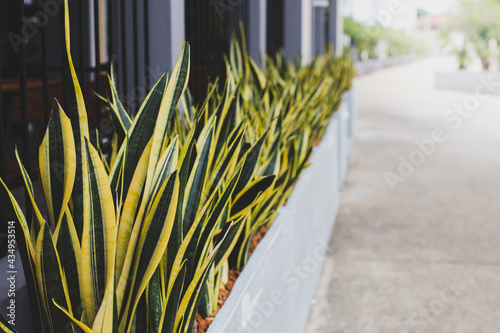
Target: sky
[397,14]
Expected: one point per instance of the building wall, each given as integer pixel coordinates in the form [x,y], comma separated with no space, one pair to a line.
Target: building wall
[301,30]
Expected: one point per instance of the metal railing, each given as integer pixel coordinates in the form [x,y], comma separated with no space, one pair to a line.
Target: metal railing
[33,59]
[32,73]
[209,26]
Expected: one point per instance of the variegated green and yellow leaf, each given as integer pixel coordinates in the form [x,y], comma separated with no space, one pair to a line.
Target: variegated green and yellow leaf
[152,243]
[70,255]
[51,280]
[99,235]
[175,89]
[57,162]
[78,323]
[31,193]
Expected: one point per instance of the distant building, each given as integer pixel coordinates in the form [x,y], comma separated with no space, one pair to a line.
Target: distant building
[432,22]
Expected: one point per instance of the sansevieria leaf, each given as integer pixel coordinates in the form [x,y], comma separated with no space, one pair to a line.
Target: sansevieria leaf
[51,280]
[70,254]
[137,138]
[130,209]
[11,211]
[153,240]
[121,119]
[185,317]
[57,163]
[75,107]
[31,193]
[77,322]
[99,235]
[175,88]
[5,326]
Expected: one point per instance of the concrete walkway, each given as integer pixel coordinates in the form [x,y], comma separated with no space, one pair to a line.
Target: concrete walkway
[423,256]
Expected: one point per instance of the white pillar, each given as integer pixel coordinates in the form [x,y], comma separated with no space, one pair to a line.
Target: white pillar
[306,47]
[336,25]
[292,21]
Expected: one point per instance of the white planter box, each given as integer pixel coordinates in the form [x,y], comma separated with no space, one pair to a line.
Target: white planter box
[346,118]
[348,98]
[273,292]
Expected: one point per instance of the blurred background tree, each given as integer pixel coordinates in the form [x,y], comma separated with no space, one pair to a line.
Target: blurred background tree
[366,39]
[477,22]
[363,37]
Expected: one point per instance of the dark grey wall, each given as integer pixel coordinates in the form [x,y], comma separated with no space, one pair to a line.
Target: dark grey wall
[165,21]
[292,31]
[257,29]
[159,31]
[167,32]
[318,31]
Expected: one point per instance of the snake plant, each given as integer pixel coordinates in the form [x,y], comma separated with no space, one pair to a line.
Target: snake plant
[141,240]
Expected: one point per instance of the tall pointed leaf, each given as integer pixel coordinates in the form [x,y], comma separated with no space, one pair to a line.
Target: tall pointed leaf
[69,251]
[99,234]
[152,244]
[138,137]
[51,280]
[57,161]
[176,87]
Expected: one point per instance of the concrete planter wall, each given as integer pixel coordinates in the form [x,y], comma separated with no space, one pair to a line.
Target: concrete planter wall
[348,97]
[343,118]
[273,292]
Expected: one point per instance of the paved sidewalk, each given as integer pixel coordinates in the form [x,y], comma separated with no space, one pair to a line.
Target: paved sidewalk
[424,257]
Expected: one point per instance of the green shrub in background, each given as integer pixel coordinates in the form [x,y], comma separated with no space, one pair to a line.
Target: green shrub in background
[365,38]
[476,22]
[142,242]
